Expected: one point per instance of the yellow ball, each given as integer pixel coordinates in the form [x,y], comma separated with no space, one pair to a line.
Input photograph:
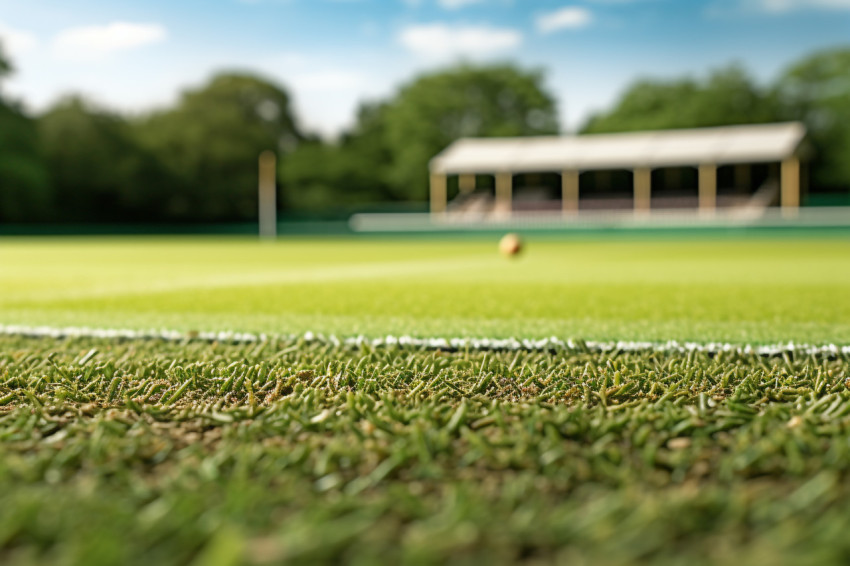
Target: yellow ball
[510,245]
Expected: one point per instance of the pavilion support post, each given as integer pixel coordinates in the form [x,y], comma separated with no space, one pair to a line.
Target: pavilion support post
[789,183]
[569,191]
[504,193]
[439,190]
[707,188]
[466,183]
[643,190]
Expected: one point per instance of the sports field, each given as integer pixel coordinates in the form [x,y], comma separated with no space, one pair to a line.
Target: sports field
[753,290]
[299,450]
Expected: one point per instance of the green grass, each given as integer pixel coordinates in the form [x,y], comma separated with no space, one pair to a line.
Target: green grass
[748,290]
[153,452]
[146,452]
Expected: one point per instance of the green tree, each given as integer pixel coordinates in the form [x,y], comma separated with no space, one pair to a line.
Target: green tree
[98,170]
[436,109]
[210,143]
[816,90]
[24,188]
[385,155]
[349,172]
[726,96]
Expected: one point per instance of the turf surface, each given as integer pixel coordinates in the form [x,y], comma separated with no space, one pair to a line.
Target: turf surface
[747,290]
[154,452]
[147,452]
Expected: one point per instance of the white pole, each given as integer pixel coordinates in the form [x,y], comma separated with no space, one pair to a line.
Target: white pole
[268,197]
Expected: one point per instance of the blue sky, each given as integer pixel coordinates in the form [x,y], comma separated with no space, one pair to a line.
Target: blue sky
[133,55]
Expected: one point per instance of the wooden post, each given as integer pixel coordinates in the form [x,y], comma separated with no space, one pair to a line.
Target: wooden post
[267,195]
[504,193]
[643,190]
[438,193]
[707,188]
[466,183]
[789,182]
[569,191]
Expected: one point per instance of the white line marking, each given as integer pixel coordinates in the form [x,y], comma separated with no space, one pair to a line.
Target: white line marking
[459,343]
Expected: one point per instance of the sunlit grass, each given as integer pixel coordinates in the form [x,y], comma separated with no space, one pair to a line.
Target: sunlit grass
[736,290]
[154,452]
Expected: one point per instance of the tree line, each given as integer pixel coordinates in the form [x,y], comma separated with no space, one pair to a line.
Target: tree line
[196,161]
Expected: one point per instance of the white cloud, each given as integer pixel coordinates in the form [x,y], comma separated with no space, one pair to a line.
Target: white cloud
[92,43]
[440,41]
[456,4]
[782,6]
[569,17]
[16,42]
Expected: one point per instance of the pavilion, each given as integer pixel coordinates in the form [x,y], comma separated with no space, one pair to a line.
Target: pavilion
[780,146]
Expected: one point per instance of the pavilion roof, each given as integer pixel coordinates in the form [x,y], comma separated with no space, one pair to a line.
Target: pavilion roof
[662,148]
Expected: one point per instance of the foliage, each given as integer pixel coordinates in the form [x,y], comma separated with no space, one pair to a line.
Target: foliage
[24,190]
[189,452]
[349,172]
[196,161]
[210,142]
[817,91]
[385,156]
[726,96]
[98,169]
[436,109]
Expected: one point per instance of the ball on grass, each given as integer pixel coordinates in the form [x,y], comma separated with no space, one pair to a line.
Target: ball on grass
[510,245]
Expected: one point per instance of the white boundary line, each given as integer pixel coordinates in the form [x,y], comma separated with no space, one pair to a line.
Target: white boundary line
[481,344]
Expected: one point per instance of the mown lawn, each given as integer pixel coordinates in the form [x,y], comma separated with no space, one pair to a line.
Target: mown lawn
[740,290]
[116,451]
[147,452]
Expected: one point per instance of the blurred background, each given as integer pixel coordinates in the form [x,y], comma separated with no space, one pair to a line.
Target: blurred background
[153,113]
